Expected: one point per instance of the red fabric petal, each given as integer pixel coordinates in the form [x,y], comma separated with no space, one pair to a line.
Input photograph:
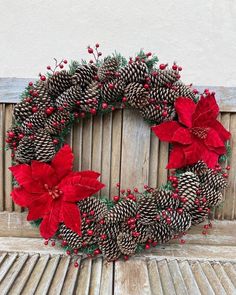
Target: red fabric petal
[177,159]
[185,108]
[71,217]
[206,111]
[193,153]
[39,207]
[23,175]
[219,128]
[166,130]
[88,173]
[50,223]
[21,197]
[210,158]
[214,142]
[63,161]
[183,136]
[44,173]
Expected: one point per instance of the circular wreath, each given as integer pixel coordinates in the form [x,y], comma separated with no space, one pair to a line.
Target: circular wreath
[62,201]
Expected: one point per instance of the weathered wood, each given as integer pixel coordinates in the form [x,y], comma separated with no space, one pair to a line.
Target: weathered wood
[2,155]
[135,151]
[166,279]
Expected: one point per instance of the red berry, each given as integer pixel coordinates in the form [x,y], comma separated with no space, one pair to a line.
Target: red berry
[148,54]
[228,167]
[116,198]
[179,210]
[174,67]
[126,257]
[46,242]
[118,184]
[111,86]
[146,86]
[102,221]
[162,66]
[75,251]
[147,246]
[204,232]
[103,237]
[92,212]
[76,115]
[29,125]
[175,196]
[48,68]
[164,114]
[93,111]
[61,66]
[97,45]
[122,191]
[65,61]
[200,209]
[104,105]
[136,190]
[90,50]
[76,264]
[180,68]
[30,84]
[90,232]
[168,220]
[11,134]
[99,54]
[96,252]
[53,243]
[225,175]
[42,78]
[49,111]
[145,186]
[182,241]
[124,99]
[68,252]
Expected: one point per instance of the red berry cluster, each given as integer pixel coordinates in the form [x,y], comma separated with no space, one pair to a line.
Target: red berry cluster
[96,54]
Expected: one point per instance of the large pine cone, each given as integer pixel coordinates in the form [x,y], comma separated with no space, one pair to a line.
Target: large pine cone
[112,90]
[59,82]
[126,244]
[110,249]
[57,121]
[69,98]
[137,95]
[108,69]
[44,147]
[164,77]
[164,199]
[135,72]
[120,212]
[26,150]
[157,113]
[147,209]
[84,75]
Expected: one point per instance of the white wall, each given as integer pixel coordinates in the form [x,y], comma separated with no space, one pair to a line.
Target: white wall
[200,35]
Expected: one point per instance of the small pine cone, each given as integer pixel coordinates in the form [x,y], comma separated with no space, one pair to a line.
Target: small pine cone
[110,249]
[157,113]
[140,232]
[164,77]
[188,185]
[84,75]
[199,168]
[162,94]
[91,97]
[43,99]
[108,69]
[198,213]
[160,232]
[34,122]
[184,90]
[93,207]
[72,238]
[147,209]
[212,196]
[26,150]
[135,72]
[44,147]
[213,179]
[22,111]
[69,98]
[180,222]
[112,90]
[164,199]
[57,121]
[59,82]
[137,95]
[126,244]
[121,211]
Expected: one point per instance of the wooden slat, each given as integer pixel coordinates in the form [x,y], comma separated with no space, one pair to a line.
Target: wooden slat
[82,287]
[8,161]
[135,151]
[2,156]
[107,278]
[153,160]
[77,144]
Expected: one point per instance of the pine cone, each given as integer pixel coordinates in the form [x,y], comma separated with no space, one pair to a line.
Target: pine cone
[110,249]
[91,97]
[188,185]
[157,113]
[111,230]
[135,72]
[212,196]
[140,232]
[94,207]
[213,179]
[57,121]
[180,222]
[25,151]
[108,68]
[126,244]
[43,99]
[160,232]
[72,238]
[137,95]
[59,82]
[69,98]
[184,90]
[22,111]
[147,209]
[34,122]
[111,91]
[164,77]
[199,168]
[164,199]
[163,94]
[120,212]
[84,75]
[198,213]
[13,142]
[44,147]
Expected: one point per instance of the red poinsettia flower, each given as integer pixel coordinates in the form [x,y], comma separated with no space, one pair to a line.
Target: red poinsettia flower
[197,136]
[51,191]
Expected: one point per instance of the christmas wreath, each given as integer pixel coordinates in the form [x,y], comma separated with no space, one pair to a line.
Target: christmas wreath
[63,202]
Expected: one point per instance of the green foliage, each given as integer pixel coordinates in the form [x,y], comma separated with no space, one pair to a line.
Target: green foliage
[36,223]
[150,61]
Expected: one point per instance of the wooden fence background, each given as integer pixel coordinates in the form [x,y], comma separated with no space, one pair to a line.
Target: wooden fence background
[123,149]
